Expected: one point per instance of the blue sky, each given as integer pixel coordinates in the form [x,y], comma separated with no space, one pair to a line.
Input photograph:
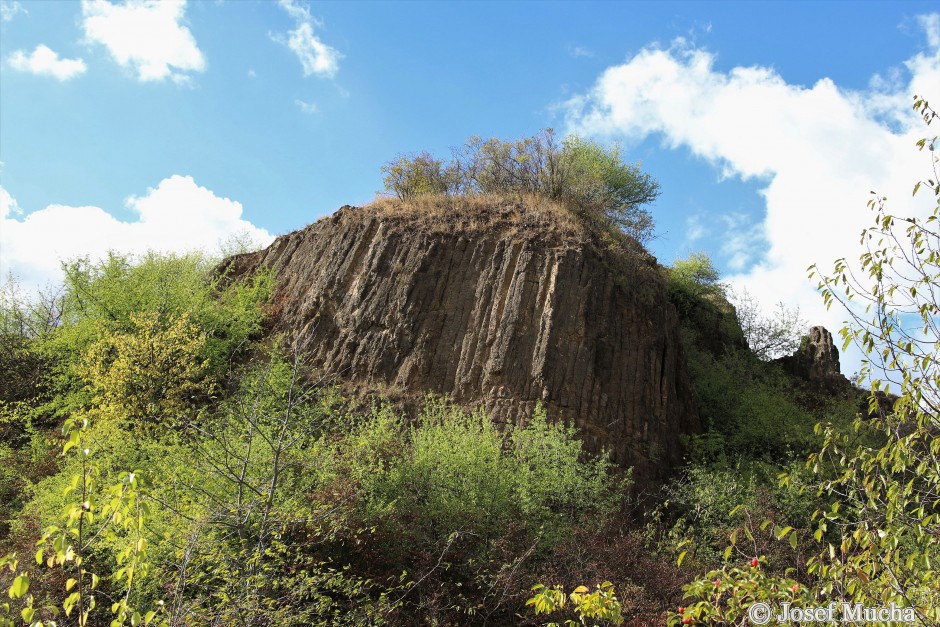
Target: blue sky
[175,125]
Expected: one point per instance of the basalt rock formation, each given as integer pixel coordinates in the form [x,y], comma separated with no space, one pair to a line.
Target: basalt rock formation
[817,360]
[499,306]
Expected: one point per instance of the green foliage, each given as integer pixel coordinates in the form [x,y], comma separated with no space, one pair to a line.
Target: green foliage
[750,408]
[149,374]
[110,292]
[707,504]
[694,277]
[590,178]
[553,480]
[23,323]
[113,514]
[454,475]
[413,175]
[704,499]
[457,472]
[462,505]
[116,310]
[724,596]
[250,540]
[879,535]
[874,540]
[599,181]
[601,604]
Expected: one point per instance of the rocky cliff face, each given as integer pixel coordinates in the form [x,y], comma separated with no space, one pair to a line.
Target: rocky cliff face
[501,309]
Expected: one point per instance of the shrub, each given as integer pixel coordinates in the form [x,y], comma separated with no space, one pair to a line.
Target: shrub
[410,176]
[772,336]
[593,180]
[458,472]
[461,505]
[695,277]
[116,310]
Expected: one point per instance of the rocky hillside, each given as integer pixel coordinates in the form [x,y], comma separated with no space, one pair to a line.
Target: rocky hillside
[494,304]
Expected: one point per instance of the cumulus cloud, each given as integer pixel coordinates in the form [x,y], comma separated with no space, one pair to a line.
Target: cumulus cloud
[315,56]
[815,152]
[176,216]
[45,62]
[147,36]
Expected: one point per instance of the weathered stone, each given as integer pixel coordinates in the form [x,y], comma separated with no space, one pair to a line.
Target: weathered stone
[822,355]
[817,359]
[506,317]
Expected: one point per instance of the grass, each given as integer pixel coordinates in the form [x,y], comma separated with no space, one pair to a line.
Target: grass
[522,214]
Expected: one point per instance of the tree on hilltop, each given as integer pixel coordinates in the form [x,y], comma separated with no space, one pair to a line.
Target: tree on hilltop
[591,179]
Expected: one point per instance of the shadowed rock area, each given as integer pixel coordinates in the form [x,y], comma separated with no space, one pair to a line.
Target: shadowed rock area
[492,306]
[817,359]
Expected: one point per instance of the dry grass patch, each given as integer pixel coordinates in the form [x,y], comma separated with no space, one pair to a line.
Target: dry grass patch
[477,213]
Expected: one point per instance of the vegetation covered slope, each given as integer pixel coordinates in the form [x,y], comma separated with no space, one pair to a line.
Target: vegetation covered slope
[167,460]
[493,301]
[236,491]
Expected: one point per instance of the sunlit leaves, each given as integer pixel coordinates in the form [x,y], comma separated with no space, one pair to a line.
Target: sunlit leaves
[600,604]
[151,372]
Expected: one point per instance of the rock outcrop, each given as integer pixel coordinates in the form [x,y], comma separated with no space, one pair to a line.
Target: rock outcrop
[817,359]
[498,308]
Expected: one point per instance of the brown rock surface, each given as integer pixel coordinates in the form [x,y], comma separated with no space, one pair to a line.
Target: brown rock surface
[817,359]
[505,311]
[822,355]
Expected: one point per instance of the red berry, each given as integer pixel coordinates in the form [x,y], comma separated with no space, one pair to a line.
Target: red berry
[755,562]
[681,609]
[795,587]
[716,583]
[687,621]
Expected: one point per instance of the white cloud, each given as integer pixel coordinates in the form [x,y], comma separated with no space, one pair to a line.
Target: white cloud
[931,25]
[315,56]
[8,10]
[45,62]
[307,107]
[145,35]
[814,151]
[176,216]
[8,206]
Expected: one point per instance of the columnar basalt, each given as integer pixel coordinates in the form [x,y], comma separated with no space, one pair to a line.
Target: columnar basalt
[504,315]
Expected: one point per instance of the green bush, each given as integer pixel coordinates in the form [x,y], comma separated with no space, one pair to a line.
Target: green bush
[107,294]
[592,179]
[692,279]
[421,173]
[110,309]
[462,505]
[458,472]
[747,408]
